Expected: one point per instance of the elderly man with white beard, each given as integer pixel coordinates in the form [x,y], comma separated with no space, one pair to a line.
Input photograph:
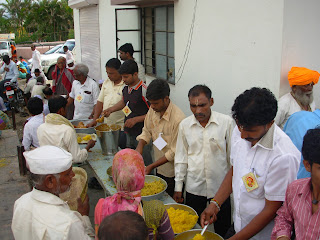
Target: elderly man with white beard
[300,98]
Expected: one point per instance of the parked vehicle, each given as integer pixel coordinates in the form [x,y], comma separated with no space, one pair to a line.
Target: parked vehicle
[15,96]
[5,47]
[54,49]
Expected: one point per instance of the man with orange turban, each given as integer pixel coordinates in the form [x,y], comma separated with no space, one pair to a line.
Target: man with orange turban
[300,98]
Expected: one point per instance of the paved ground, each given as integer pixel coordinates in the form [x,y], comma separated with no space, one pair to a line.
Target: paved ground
[12,185]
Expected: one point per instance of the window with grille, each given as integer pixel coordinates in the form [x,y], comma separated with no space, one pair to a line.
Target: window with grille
[159,42]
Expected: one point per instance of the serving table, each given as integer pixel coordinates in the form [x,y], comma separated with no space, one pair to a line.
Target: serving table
[100,163]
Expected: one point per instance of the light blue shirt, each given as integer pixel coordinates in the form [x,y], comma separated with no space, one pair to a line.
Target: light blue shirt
[13,73]
[296,127]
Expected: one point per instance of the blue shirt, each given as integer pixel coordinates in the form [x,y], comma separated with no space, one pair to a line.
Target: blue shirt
[296,127]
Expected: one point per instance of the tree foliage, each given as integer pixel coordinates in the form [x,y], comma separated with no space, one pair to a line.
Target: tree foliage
[41,20]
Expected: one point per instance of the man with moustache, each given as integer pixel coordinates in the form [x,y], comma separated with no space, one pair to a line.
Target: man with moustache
[161,125]
[202,155]
[110,94]
[264,161]
[41,213]
[84,93]
[300,98]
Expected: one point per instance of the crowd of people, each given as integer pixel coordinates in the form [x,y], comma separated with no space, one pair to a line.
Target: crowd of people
[255,154]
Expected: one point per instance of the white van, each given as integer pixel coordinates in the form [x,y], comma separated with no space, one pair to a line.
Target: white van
[5,47]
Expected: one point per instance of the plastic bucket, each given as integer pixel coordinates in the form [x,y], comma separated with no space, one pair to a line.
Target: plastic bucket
[108,139]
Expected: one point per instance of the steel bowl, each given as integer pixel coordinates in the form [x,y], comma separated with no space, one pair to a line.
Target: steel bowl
[152,178]
[90,130]
[108,138]
[182,207]
[189,235]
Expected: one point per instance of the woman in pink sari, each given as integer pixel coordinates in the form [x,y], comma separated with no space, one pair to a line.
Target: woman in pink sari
[62,78]
[128,174]
[62,83]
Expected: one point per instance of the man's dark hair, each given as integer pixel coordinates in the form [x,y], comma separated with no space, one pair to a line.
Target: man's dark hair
[47,91]
[40,80]
[127,48]
[35,106]
[254,107]
[65,47]
[123,225]
[55,103]
[113,63]
[6,58]
[158,89]
[20,57]
[28,76]
[311,146]
[198,89]
[128,67]
[37,70]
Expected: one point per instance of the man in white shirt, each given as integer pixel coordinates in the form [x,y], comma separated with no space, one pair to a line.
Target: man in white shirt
[40,74]
[125,53]
[300,98]
[31,81]
[202,155]
[38,88]
[36,59]
[30,138]
[69,55]
[41,214]
[84,93]
[11,74]
[264,161]
[58,131]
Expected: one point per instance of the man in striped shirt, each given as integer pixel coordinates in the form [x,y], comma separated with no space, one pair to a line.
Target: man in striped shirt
[135,104]
[300,211]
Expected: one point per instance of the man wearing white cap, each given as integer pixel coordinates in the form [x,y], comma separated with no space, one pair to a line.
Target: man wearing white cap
[41,214]
[70,64]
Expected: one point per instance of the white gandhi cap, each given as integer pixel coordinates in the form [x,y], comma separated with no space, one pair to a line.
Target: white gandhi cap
[70,61]
[48,160]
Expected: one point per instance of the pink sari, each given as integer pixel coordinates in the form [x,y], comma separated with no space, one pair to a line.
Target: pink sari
[128,174]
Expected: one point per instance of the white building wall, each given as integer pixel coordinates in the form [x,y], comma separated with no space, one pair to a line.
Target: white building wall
[301,36]
[76,22]
[107,32]
[236,45]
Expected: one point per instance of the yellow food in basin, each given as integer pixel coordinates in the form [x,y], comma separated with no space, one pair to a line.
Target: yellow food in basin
[87,138]
[181,220]
[79,139]
[198,236]
[152,188]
